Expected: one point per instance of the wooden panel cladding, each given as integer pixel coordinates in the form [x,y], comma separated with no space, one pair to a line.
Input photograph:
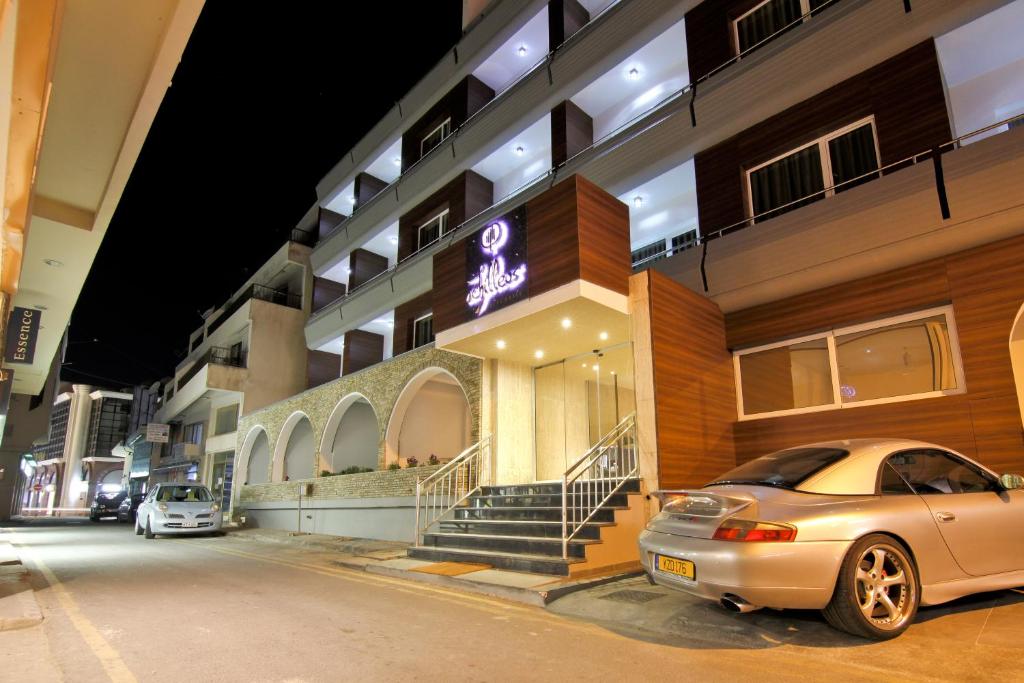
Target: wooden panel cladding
[325,291]
[572,131]
[710,42]
[366,188]
[327,221]
[575,230]
[565,17]
[405,318]
[362,349]
[695,399]
[904,94]
[986,288]
[461,102]
[466,196]
[908,289]
[321,368]
[364,266]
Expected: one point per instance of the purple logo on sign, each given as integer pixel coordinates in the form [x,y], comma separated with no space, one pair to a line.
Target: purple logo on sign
[493,277]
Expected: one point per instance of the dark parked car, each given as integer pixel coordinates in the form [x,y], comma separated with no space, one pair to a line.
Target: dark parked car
[129,506]
[106,505]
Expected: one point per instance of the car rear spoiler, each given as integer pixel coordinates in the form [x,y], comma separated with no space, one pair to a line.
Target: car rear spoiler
[701,503]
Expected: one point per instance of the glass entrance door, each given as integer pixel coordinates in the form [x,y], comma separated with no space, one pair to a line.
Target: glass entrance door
[578,400]
[220,478]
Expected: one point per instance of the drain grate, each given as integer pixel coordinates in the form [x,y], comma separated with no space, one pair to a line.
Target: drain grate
[632,597]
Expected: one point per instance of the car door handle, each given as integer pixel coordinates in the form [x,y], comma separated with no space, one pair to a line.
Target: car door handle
[945,516]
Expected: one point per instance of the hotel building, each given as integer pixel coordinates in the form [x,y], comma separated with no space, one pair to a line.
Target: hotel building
[604,248]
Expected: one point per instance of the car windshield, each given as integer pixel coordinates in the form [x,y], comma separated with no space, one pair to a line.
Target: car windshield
[783,469]
[184,494]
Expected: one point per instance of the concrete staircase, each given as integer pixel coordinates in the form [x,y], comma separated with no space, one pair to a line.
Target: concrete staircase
[519,528]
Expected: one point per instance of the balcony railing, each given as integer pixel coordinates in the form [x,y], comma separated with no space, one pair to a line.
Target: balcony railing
[218,355]
[282,297]
[305,237]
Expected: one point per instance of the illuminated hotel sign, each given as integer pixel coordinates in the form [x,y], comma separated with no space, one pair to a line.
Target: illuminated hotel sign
[496,263]
[22,331]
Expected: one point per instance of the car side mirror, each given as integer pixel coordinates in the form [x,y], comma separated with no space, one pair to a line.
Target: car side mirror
[1011,481]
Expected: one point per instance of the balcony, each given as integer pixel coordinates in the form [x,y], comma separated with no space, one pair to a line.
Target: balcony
[281,297]
[218,355]
[184,451]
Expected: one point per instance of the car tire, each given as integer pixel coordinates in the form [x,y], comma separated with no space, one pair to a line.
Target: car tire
[93,518]
[149,530]
[878,590]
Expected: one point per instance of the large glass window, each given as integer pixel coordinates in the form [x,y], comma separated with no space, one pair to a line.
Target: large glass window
[830,164]
[771,17]
[436,136]
[902,358]
[433,229]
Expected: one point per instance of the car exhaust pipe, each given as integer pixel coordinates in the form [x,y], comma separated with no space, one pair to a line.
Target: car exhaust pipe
[735,603]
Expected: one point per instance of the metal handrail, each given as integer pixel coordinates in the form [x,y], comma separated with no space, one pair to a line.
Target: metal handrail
[446,488]
[592,480]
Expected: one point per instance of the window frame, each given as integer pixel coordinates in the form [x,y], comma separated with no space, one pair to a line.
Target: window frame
[416,322]
[823,154]
[830,336]
[446,124]
[805,16]
[442,231]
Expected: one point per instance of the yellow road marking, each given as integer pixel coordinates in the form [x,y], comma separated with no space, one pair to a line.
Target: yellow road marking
[111,661]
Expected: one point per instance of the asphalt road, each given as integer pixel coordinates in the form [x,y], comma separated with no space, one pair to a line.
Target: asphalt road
[119,607]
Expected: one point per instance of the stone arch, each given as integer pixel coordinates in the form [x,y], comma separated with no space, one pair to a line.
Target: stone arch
[432,414]
[253,466]
[1017,357]
[295,453]
[351,436]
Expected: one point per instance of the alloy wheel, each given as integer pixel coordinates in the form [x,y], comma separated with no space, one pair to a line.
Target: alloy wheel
[885,587]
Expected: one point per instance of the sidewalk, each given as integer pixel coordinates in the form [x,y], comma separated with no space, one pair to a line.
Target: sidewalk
[388,558]
[18,606]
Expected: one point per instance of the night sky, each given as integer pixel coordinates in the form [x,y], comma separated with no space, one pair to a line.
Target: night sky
[263,104]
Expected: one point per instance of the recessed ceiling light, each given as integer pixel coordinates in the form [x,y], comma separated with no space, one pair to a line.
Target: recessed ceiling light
[500,343]
[634,74]
[638,201]
[519,151]
[584,365]
[566,323]
[393,239]
[391,323]
[603,336]
[597,367]
[351,199]
[538,354]
[53,263]
[397,161]
[613,372]
[521,51]
[348,271]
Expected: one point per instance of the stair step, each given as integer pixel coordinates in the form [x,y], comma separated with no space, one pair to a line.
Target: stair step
[629,486]
[523,513]
[541,500]
[510,527]
[534,564]
[527,545]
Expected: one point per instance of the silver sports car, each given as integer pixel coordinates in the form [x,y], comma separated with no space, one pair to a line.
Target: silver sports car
[864,530]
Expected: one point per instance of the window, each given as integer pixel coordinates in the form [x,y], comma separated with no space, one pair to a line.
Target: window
[936,472]
[435,137]
[769,18]
[227,419]
[423,330]
[833,163]
[193,433]
[433,229]
[897,359]
[890,483]
[783,469]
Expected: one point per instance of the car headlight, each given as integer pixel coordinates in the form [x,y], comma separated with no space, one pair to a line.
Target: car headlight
[162,507]
[215,507]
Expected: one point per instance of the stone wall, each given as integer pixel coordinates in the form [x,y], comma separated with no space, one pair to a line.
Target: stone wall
[380,484]
[381,385]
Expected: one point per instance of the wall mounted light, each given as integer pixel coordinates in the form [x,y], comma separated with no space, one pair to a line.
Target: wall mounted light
[638,202]
[633,74]
[538,354]
[393,239]
[53,263]
[397,161]
[519,151]
[521,51]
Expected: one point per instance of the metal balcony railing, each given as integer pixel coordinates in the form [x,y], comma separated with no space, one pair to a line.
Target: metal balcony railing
[218,355]
[282,297]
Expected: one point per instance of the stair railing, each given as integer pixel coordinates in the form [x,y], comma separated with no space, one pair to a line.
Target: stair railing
[445,489]
[591,481]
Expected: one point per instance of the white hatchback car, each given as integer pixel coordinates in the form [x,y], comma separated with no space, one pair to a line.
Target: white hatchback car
[178,509]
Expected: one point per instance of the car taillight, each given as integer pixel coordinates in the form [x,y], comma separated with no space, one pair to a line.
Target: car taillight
[748,530]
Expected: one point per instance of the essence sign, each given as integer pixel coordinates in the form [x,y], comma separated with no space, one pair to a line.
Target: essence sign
[496,264]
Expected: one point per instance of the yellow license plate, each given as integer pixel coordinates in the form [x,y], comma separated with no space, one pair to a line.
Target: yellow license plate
[671,565]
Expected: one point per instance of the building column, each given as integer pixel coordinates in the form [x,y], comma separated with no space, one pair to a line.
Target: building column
[74,447]
[572,131]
